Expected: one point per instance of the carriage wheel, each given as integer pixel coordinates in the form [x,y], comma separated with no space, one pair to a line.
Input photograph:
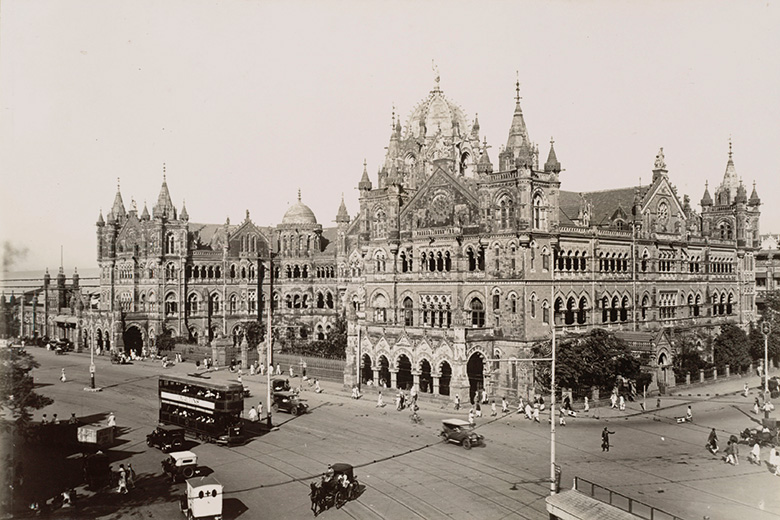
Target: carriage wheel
[467,443]
[337,499]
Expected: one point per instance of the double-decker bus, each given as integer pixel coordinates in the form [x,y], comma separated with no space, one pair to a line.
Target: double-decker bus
[209,411]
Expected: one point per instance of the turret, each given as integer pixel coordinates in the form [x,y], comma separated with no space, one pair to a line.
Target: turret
[741,197]
[484,165]
[365,182]
[342,216]
[518,152]
[164,208]
[145,213]
[475,127]
[100,222]
[118,212]
[754,200]
[46,279]
[184,215]
[706,200]
[75,279]
[552,165]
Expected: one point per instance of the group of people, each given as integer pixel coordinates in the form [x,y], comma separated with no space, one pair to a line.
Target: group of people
[618,401]
[126,478]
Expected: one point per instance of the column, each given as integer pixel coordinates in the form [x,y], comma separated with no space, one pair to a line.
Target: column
[393,378]
[375,370]
[416,380]
[435,385]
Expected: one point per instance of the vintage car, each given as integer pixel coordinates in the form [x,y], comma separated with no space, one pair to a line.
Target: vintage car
[289,402]
[204,498]
[180,465]
[460,432]
[166,437]
[281,385]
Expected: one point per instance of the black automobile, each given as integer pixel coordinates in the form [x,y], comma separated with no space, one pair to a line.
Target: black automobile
[281,385]
[458,431]
[289,402]
[167,438]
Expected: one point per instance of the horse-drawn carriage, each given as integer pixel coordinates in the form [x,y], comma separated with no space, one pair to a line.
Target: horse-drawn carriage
[337,487]
[765,437]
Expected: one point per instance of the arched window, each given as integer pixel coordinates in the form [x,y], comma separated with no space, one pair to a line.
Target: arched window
[496,302]
[477,313]
[380,223]
[539,213]
[329,300]
[171,305]
[472,259]
[233,304]
[624,309]
[645,306]
[170,244]
[613,312]
[532,305]
[546,312]
[252,301]
[582,311]
[380,308]
[215,301]
[408,312]
[192,303]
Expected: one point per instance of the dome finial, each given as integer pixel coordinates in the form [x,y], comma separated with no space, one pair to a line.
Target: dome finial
[164,175]
[393,123]
[117,184]
[299,194]
[436,78]
[517,87]
[729,147]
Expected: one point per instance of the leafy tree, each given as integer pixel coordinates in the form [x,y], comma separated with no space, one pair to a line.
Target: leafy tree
[254,332]
[731,348]
[334,346]
[167,341]
[18,397]
[688,360]
[595,359]
[771,314]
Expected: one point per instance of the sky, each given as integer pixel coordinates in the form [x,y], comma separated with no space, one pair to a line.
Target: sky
[246,102]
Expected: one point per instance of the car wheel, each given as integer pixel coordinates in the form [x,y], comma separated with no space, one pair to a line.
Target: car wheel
[294,411]
[467,443]
[188,472]
[148,443]
[443,436]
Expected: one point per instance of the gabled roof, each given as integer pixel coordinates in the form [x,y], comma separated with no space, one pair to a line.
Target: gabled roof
[437,178]
[604,203]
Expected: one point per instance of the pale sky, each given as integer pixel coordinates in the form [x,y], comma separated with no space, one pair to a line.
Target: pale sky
[247,101]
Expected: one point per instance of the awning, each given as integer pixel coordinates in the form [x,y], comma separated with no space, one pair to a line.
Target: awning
[573,505]
[66,319]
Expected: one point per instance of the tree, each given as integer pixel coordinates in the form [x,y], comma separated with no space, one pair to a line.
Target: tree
[688,360]
[18,397]
[254,332]
[595,359]
[731,348]
[771,314]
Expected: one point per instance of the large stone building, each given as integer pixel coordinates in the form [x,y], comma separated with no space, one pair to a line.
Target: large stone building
[454,267]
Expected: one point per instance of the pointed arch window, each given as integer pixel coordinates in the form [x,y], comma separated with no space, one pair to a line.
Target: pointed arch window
[539,213]
[408,312]
[477,313]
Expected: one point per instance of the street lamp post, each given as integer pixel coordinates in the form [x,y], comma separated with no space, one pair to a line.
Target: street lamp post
[269,338]
[92,367]
[552,381]
[766,328]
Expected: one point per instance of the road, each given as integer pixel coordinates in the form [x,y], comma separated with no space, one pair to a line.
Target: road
[407,472]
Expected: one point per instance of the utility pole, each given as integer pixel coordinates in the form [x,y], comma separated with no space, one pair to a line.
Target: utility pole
[552,384]
[766,328]
[269,338]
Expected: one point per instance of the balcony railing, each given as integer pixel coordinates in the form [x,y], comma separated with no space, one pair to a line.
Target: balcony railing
[620,501]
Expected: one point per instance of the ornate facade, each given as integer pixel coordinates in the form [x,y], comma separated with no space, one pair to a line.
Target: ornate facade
[453,268]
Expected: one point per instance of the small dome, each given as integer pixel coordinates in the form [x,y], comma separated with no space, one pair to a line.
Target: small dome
[299,213]
[436,112]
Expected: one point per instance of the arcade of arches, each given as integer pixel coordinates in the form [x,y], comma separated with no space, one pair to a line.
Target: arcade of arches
[404,375]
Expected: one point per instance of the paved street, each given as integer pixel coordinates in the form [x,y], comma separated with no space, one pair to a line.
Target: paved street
[407,472]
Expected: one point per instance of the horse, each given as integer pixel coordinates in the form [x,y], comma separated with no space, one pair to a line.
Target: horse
[316,499]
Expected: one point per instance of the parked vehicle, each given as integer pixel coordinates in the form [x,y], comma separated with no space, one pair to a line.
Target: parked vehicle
[460,432]
[289,402]
[203,499]
[166,437]
[281,385]
[180,465]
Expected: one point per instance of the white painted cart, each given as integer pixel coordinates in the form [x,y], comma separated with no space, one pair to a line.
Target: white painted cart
[204,498]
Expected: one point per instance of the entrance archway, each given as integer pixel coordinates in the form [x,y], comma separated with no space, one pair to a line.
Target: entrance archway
[99,340]
[384,372]
[404,379]
[426,380]
[133,339]
[475,369]
[663,365]
[366,373]
[445,377]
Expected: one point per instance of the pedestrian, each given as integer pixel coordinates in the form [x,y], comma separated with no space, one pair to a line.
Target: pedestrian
[260,410]
[689,414]
[493,412]
[587,406]
[278,369]
[622,403]
[774,461]
[457,401]
[111,419]
[484,396]
[613,400]
[379,402]
[305,377]
[735,448]
[130,476]
[317,386]
[712,442]
[44,419]
[479,409]
[504,405]
[292,372]
[529,414]
[756,407]
[73,419]
[755,454]
[605,433]
[536,413]
[471,417]
[262,369]
[122,480]
[240,380]
[62,376]
[745,390]
[562,420]
[54,419]
[729,451]
[252,369]
[252,414]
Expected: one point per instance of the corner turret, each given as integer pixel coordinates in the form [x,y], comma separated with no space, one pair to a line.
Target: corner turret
[365,182]
[754,200]
[184,215]
[706,199]
[342,215]
[164,208]
[552,165]
[118,209]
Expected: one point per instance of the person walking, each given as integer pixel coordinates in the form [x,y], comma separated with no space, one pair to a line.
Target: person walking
[745,390]
[262,369]
[536,413]
[587,406]
[562,420]
[292,372]
[613,400]
[479,409]
[260,410]
[457,401]
[252,369]
[111,419]
[278,369]
[622,403]
[605,433]
[379,402]
[252,414]
[689,414]
[493,411]
[317,386]
[755,454]
[756,407]
[130,476]
[471,417]
[62,376]
[729,451]
[712,442]
[774,461]
[504,405]
[122,480]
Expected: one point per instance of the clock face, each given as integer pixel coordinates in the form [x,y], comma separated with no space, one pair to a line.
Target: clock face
[441,207]
[663,212]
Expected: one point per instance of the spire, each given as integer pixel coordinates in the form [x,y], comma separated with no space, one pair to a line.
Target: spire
[475,126]
[299,194]
[552,164]
[118,209]
[164,207]
[342,215]
[754,200]
[145,213]
[484,165]
[518,145]
[741,194]
[706,199]
[184,215]
[365,182]
[100,221]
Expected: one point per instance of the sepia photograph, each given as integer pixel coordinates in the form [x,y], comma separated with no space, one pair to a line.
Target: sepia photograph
[349,259]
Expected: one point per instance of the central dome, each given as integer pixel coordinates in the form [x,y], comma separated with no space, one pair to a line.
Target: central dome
[434,113]
[299,213]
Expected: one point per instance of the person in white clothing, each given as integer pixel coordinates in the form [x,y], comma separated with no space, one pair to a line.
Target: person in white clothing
[587,406]
[755,454]
[622,403]
[379,402]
